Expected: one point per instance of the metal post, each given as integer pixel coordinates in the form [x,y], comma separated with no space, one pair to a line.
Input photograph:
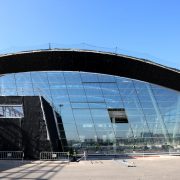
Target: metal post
[114,126]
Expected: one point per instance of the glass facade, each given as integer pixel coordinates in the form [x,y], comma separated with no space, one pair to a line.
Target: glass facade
[103,113]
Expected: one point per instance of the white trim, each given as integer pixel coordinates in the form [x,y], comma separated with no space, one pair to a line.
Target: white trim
[44,117]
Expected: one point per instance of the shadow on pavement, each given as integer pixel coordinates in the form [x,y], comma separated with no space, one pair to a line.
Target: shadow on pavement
[108,157]
[9,164]
[43,170]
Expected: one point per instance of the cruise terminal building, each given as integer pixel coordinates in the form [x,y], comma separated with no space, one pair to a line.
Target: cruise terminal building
[104,103]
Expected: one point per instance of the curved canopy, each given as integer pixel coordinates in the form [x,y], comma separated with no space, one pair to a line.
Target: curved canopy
[90,61]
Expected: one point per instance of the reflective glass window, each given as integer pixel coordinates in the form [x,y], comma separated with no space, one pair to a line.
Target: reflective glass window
[55,78]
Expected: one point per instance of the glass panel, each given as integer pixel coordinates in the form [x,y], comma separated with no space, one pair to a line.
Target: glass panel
[86,132]
[39,77]
[105,137]
[82,115]
[103,126]
[11,111]
[123,134]
[109,89]
[100,115]
[71,131]
[77,98]
[23,78]
[72,78]
[55,78]
[97,105]
[7,81]
[87,77]
[105,78]
[80,105]
[92,89]
[9,92]
[76,91]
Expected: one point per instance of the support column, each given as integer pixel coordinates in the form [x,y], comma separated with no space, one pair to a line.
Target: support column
[158,113]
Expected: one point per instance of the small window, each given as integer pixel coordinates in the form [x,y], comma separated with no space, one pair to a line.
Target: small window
[11,111]
[118,115]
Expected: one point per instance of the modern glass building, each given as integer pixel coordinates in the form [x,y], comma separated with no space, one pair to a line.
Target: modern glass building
[104,108]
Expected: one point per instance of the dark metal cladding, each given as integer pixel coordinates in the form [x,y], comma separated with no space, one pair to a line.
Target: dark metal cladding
[90,61]
[29,133]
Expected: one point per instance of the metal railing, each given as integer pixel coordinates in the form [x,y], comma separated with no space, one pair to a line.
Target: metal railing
[52,156]
[11,155]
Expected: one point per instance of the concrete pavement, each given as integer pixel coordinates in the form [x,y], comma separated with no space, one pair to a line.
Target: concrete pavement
[164,168]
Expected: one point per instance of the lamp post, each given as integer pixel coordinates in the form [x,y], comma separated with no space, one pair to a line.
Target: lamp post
[60,106]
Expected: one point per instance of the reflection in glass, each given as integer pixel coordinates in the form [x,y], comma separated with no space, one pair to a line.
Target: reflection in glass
[152,111]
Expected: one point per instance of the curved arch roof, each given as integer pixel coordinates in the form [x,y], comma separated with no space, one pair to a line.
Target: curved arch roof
[90,61]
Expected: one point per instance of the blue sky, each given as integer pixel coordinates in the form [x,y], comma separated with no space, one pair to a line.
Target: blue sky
[144,28]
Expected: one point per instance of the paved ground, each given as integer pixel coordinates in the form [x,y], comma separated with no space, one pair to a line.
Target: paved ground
[167,168]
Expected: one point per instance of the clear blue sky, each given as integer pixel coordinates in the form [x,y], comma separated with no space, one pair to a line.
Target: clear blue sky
[150,27]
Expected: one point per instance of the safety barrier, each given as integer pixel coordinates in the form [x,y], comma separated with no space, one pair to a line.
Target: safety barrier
[11,155]
[52,156]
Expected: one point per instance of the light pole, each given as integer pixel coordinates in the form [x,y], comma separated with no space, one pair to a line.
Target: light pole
[60,106]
